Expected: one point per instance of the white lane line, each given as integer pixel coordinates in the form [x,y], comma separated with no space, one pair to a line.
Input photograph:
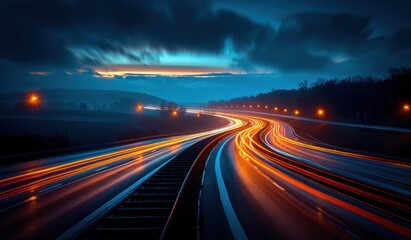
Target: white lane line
[82,225]
[278,186]
[99,169]
[51,187]
[235,225]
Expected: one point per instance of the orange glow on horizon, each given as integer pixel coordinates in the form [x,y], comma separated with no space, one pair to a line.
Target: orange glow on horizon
[124,70]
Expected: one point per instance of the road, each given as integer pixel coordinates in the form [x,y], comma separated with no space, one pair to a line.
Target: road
[261,182]
[42,199]
[267,181]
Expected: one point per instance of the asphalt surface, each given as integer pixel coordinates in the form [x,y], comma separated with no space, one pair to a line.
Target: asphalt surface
[262,182]
[266,181]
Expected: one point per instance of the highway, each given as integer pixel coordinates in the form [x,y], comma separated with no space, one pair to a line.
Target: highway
[268,181]
[41,199]
[261,181]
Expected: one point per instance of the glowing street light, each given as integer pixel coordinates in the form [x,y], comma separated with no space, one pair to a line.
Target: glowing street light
[266,107]
[285,110]
[406,107]
[139,108]
[276,109]
[198,115]
[34,100]
[296,112]
[320,112]
[174,113]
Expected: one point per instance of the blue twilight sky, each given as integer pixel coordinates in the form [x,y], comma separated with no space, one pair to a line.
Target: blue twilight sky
[193,51]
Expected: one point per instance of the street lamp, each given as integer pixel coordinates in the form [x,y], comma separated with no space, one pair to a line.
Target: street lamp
[139,108]
[34,100]
[320,112]
[296,112]
[406,107]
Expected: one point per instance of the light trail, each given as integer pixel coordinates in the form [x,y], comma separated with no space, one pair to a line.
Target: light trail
[342,190]
[31,182]
[349,181]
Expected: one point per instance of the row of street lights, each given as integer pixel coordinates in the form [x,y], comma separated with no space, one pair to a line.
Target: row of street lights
[34,100]
[320,112]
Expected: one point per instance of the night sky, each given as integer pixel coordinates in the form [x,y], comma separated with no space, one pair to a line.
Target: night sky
[196,51]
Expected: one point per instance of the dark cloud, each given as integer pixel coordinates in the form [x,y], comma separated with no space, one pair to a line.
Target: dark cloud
[43,31]
[309,40]
[400,42]
[51,33]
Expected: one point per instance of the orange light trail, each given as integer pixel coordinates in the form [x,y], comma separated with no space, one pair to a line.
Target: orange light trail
[250,146]
[28,182]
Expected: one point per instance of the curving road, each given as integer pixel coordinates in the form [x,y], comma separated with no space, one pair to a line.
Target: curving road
[263,181]
[266,181]
[42,199]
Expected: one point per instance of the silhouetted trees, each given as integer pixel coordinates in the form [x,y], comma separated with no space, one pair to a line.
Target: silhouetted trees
[361,99]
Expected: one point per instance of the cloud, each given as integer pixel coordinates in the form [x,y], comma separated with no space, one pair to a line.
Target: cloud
[45,35]
[311,40]
[50,31]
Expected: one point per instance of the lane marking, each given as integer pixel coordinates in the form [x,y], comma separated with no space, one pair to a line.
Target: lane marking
[235,225]
[278,186]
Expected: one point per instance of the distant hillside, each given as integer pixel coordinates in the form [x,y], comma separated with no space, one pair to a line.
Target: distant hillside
[74,99]
[80,95]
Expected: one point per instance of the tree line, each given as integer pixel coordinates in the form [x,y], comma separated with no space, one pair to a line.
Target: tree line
[370,100]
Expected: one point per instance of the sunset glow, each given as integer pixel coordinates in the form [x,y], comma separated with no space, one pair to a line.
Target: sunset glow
[126,70]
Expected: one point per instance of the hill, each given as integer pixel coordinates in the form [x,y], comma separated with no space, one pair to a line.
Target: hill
[77,99]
